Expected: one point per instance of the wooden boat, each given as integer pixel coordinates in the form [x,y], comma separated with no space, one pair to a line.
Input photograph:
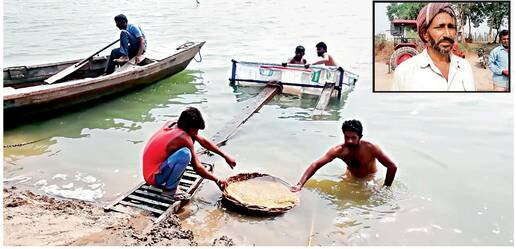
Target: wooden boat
[27,96]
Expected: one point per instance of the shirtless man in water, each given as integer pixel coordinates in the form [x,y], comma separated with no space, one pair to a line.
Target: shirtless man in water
[170,150]
[359,155]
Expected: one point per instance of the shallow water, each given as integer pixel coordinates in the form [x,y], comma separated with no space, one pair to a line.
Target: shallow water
[454,151]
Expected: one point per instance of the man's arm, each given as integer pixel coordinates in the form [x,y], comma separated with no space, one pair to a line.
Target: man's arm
[388,163]
[140,49]
[209,145]
[310,171]
[202,171]
[326,59]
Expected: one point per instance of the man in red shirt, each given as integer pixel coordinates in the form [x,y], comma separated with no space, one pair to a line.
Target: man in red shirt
[170,150]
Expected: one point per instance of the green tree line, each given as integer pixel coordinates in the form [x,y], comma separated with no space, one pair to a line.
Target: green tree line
[495,14]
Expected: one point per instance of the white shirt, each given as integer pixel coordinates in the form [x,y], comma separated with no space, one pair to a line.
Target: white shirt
[419,73]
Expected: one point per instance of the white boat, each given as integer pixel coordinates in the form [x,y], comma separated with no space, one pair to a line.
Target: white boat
[295,78]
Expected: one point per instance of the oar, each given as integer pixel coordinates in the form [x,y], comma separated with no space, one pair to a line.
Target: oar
[69,70]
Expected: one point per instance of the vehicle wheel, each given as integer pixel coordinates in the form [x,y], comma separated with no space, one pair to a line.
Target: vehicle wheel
[400,55]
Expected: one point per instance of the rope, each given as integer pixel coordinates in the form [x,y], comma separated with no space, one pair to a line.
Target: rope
[200,57]
[23,144]
[311,233]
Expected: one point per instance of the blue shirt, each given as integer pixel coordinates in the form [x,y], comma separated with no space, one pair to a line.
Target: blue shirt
[499,61]
[129,38]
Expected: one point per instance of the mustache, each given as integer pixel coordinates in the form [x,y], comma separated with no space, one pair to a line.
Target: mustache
[448,39]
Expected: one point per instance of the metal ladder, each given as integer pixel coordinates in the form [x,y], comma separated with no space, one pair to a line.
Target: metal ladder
[149,198]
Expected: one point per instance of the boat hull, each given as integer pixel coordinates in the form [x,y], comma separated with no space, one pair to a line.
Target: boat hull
[44,101]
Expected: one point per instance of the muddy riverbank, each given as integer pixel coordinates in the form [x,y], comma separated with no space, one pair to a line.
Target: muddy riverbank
[72,222]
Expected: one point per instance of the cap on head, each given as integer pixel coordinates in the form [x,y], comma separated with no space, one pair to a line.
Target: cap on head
[427,14]
[352,125]
[190,118]
[300,49]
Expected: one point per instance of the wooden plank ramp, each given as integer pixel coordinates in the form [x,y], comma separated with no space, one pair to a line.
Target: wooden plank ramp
[324,99]
[149,198]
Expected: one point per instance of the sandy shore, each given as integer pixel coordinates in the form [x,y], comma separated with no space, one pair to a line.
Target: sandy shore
[31,219]
[483,77]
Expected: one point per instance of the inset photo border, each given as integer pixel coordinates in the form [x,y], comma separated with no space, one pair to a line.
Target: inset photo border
[454,46]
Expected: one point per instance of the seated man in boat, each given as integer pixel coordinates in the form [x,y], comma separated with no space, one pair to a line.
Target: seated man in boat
[359,155]
[170,150]
[298,58]
[132,44]
[322,51]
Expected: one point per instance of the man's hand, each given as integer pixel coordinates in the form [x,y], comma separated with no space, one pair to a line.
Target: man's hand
[284,64]
[230,161]
[296,188]
[505,72]
[222,184]
[122,59]
[137,60]
[307,66]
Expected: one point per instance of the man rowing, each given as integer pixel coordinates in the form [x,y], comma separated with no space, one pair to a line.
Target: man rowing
[132,44]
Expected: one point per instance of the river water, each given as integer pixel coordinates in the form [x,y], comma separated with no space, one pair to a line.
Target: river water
[454,184]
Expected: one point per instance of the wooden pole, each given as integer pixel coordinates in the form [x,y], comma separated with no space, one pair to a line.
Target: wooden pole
[69,70]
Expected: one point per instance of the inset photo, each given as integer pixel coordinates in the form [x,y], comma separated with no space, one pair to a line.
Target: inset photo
[441,46]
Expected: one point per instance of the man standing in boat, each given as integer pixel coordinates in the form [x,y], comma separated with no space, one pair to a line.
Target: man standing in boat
[359,155]
[322,51]
[132,44]
[170,150]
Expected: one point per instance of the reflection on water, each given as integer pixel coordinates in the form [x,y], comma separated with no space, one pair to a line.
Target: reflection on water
[348,191]
[68,142]
[360,203]
[304,104]
[125,113]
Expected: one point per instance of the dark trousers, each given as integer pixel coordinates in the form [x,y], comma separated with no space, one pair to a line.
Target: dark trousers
[116,53]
